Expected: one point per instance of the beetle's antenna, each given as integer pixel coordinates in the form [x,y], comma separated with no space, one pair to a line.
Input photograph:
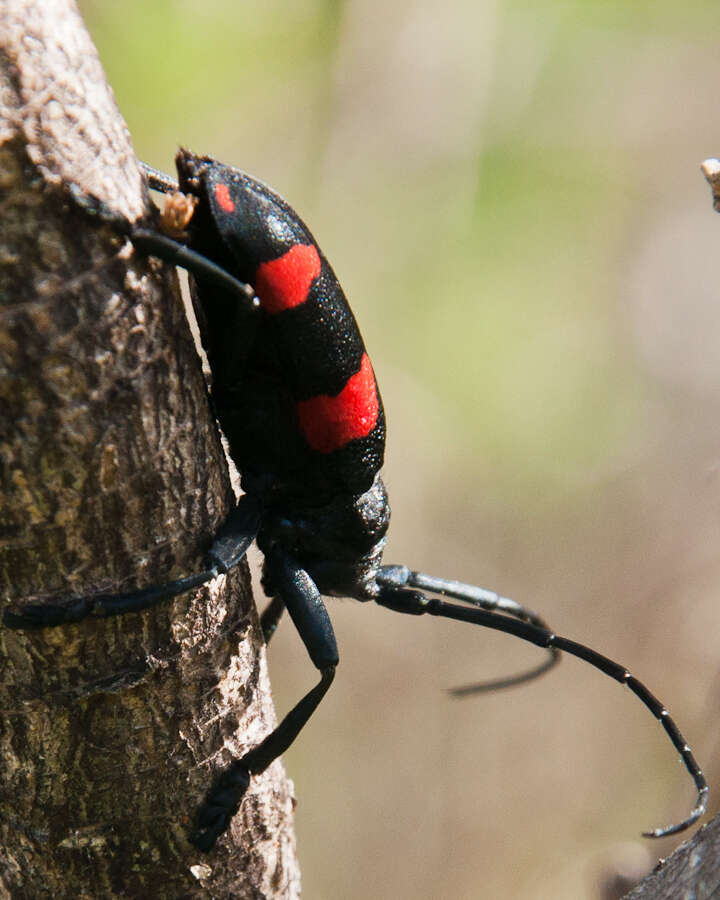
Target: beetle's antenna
[501,684]
[401,599]
[483,599]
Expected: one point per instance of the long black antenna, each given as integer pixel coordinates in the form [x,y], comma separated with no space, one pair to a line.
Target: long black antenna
[395,595]
[483,599]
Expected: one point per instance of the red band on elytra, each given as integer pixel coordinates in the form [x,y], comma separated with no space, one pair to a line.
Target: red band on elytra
[222,195]
[329,423]
[284,282]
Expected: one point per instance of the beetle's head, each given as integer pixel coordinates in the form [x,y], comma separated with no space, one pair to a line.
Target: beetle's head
[339,544]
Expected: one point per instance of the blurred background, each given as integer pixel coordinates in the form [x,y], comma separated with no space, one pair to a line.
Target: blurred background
[511,197]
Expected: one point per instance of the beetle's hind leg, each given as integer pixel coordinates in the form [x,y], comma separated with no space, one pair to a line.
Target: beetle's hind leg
[307,610]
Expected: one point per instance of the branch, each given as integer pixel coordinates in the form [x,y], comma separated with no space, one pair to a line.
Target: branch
[693,870]
[112,476]
[711,170]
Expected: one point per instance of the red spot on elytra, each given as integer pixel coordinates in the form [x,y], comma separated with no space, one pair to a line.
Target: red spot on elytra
[284,282]
[222,195]
[329,423]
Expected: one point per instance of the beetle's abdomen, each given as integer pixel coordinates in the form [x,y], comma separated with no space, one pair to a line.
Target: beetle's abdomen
[329,428]
[313,317]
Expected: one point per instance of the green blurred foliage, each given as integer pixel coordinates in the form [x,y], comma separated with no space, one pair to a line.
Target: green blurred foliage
[497,254]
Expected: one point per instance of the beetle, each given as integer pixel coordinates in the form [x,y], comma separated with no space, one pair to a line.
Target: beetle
[294,391]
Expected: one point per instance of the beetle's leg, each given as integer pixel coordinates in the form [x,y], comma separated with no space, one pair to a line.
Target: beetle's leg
[151,242]
[154,243]
[415,603]
[159,181]
[271,617]
[402,576]
[228,548]
[307,610]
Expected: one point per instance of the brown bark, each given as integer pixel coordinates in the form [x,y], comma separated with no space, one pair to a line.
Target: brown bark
[692,871]
[112,476]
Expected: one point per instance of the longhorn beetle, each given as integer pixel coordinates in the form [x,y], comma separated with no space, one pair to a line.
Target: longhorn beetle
[294,392]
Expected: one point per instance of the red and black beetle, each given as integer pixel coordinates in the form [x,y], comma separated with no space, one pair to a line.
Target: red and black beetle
[295,394]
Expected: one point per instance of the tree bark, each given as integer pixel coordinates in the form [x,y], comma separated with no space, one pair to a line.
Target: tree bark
[693,870]
[112,476]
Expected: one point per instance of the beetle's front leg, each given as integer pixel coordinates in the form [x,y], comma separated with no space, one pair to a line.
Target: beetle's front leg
[227,550]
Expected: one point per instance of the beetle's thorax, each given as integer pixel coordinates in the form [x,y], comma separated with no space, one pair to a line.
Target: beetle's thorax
[339,544]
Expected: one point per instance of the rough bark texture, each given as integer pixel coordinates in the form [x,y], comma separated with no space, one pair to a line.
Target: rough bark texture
[112,476]
[692,871]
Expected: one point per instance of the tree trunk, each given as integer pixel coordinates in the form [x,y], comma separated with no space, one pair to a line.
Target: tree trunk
[693,870]
[112,476]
